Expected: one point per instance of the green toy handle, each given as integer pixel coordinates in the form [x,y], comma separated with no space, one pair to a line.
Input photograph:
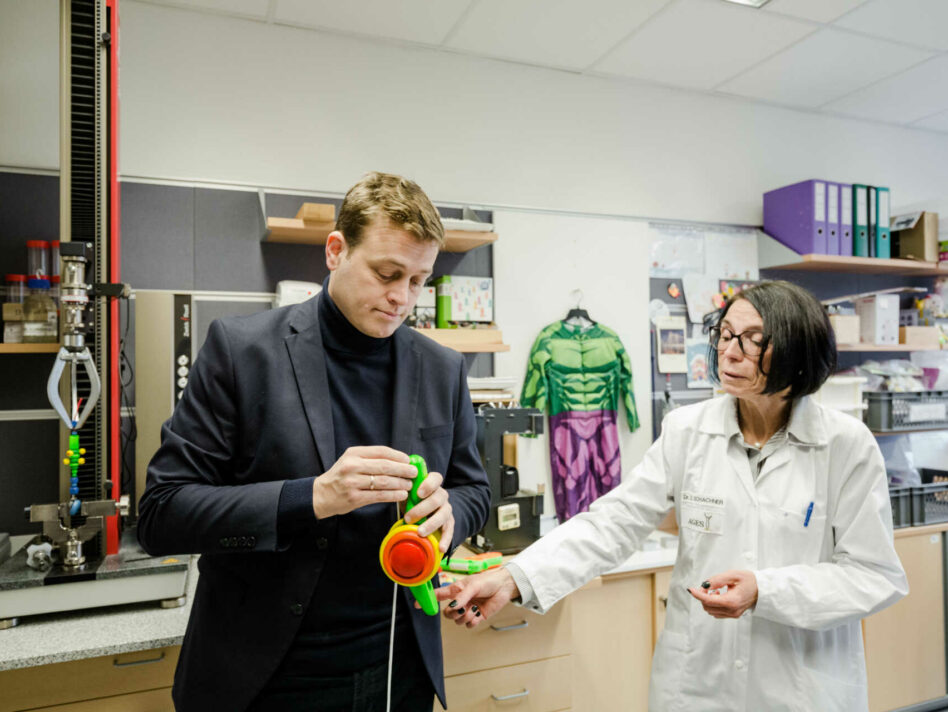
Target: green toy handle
[419,462]
[423,593]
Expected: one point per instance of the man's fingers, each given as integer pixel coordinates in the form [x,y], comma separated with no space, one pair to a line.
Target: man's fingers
[381,466]
[430,485]
[427,506]
[447,535]
[378,451]
[384,482]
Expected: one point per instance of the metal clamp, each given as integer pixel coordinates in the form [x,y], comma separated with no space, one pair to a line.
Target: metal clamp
[514,696]
[515,626]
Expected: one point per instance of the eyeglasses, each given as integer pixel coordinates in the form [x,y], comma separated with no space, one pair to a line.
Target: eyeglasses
[721,338]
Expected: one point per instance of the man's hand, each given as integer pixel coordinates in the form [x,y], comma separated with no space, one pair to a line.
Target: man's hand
[363,475]
[433,504]
[473,599]
[741,594]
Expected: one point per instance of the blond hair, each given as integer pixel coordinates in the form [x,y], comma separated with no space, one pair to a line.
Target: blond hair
[398,199]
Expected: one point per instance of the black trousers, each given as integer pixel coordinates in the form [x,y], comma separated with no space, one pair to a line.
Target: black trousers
[364,691]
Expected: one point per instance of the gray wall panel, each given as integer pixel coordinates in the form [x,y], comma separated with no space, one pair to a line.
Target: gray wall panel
[157,226]
[29,471]
[29,210]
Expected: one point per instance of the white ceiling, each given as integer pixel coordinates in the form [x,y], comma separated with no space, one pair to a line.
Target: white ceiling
[881,60]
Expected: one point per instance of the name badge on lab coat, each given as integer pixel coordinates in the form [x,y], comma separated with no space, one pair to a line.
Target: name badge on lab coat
[702,512]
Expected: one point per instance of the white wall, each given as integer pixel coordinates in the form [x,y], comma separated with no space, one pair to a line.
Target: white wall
[205,97]
[208,97]
[538,261]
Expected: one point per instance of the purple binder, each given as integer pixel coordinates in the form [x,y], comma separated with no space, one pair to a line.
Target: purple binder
[845,219]
[796,216]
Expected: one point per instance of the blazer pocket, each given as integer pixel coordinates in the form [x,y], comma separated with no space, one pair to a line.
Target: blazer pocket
[436,431]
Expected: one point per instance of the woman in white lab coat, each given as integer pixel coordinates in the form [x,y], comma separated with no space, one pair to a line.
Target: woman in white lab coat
[783,514]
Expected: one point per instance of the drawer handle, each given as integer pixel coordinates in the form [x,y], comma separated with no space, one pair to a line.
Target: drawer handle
[515,626]
[664,600]
[161,657]
[514,696]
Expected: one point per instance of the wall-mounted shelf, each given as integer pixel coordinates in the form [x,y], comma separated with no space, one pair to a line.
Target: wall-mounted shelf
[774,255]
[471,341]
[882,433]
[29,348]
[862,265]
[294,231]
[876,347]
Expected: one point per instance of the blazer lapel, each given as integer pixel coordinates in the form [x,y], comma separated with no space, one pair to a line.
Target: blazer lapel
[305,347]
[407,382]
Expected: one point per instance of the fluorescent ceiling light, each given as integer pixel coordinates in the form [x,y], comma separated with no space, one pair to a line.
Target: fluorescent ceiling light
[749,3]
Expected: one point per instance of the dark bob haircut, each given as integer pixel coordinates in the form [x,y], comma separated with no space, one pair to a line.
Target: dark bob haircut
[796,325]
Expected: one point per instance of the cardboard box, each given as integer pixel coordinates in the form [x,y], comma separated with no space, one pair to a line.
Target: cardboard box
[317,212]
[12,311]
[925,337]
[878,319]
[846,328]
[464,299]
[917,235]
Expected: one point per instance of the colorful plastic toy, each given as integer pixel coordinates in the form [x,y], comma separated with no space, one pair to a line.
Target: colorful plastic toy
[408,558]
[475,564]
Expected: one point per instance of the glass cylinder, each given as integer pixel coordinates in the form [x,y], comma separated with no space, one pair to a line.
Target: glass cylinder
[15,288]
[54,258]
[37,258]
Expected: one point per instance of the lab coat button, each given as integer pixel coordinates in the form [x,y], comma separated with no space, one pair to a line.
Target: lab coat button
[739,664]
[296,609]
[322,543]
[748,555]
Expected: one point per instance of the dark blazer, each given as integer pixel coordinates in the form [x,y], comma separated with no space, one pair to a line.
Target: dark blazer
[256,412]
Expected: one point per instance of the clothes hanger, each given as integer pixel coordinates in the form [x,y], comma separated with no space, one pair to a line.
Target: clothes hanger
[578,316]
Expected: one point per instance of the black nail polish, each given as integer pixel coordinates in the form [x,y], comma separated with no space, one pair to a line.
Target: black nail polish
[706,584]
[477,614]
[452,604]
[461,611]
[475,608]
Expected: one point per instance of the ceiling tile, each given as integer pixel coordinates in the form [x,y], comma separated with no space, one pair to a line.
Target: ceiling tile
[557,33]
[918,22]
[825,66]
[426,21]
[914,94]
[816,10]
[938,122]
[242,8]
[698,44]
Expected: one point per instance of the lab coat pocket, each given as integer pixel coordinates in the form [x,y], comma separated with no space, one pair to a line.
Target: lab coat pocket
[832,693]
[794,537]
[667,663]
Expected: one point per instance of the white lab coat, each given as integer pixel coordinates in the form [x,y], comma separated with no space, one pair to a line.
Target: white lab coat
[801,647]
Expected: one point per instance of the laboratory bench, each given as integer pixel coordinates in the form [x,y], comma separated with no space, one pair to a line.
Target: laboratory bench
[579,656]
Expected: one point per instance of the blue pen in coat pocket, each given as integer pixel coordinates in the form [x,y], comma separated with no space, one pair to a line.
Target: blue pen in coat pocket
[809,511]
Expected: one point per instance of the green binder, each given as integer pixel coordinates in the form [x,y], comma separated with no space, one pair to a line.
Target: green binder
[860,220]
[883,232]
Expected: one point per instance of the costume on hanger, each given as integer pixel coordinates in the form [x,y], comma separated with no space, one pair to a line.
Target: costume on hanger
[582,374]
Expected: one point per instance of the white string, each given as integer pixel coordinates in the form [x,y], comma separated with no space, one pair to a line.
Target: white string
[391,646]
[391,634]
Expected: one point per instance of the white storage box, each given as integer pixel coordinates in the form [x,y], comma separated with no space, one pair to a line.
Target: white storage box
[879,319]
[843,393]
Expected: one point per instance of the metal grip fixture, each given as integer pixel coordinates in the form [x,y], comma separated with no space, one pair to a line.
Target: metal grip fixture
[74,297]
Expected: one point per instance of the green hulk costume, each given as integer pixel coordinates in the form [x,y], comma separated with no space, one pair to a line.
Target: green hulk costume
[582,374]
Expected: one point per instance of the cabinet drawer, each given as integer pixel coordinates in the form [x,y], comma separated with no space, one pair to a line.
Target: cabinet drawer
[150,701]
[59,683]
[541,686]
[515,635]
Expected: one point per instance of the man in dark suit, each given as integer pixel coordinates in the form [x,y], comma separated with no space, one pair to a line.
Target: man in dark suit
[284,463]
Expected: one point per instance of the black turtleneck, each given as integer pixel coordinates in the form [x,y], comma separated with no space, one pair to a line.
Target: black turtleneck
[346,625]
